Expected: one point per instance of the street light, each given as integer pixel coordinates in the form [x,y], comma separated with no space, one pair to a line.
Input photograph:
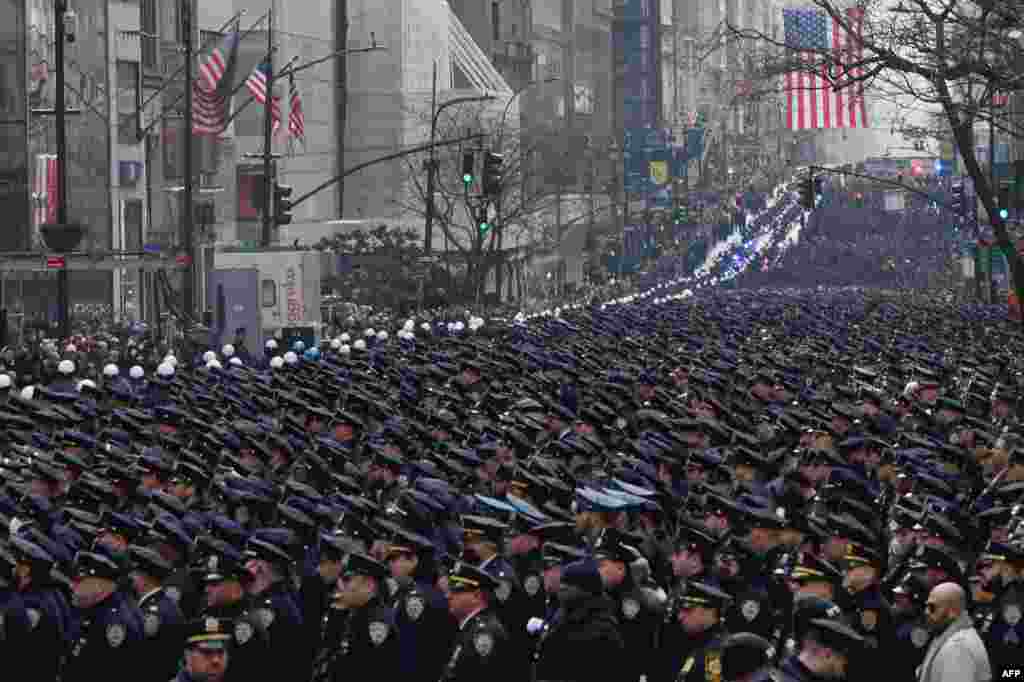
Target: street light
[508,105]
[432,163]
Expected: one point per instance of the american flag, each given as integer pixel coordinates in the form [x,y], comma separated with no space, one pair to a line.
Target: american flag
[818,39]
[257,85]
[296,119]
[211,91]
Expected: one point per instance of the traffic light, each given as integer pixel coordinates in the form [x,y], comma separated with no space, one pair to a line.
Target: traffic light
[819,189]
[282,204]
[468,168]
[858,199]
[492,174]
[807,193]
[484,227]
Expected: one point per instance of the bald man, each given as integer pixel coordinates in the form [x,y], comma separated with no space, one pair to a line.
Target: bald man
[957,653]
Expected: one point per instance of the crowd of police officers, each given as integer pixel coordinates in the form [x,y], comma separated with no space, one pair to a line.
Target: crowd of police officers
[734,487]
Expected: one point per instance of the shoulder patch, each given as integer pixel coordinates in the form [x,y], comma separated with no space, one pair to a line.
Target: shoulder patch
[115,635]
[265,617]
[484,643]
[1011,614]
[414,607]
[750,609]
[378,632]
[173,593]
[630,607]
[243,632]
[531,585]
[151,623]
[34,616]
[504,591]
[919,637]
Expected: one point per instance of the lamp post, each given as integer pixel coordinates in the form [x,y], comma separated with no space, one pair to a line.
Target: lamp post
[432,161]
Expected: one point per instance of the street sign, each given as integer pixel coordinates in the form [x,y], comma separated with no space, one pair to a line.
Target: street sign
[183,260]
[55,262]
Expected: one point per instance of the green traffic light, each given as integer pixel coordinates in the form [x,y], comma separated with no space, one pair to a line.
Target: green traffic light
[467,178]
[1004,214]
[484,227]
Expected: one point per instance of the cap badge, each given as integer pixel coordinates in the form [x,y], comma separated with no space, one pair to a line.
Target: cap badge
[212,625]
[211,563]
[630,607]
[173,593]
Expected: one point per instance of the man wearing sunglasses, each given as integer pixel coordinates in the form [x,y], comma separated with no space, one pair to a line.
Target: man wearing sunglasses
[957,653]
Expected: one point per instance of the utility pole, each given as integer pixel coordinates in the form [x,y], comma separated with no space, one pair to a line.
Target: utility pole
[341,94]
[63,293]
[268,134]
[188,303]
[428,228]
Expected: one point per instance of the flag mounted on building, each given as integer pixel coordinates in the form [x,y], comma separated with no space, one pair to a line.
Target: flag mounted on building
[257,86]
[827,92]
[296,118]
[211,90]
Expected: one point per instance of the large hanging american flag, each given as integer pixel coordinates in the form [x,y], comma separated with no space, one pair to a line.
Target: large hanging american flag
[211,91]
[812,102]
[257,85]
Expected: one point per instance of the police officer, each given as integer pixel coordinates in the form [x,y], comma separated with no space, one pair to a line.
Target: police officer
[272,601]
[754,608]
[207,650]
[641,606]
[109,622]
[369,640]
[426,628]
[481,650]
[869,611]
[47,607]
[746,657]
[911,629]
[17,648]
[161,617]
[221,570]
[999,568]
[825,651]
[694,652]
[581,641]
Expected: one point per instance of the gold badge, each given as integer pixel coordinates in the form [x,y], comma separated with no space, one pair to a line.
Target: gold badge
[713,668]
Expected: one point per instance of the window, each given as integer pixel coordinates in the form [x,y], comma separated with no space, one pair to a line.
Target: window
[268,293]
[133,224]
[251,188]
[127,102]
[495,21]
[148,23]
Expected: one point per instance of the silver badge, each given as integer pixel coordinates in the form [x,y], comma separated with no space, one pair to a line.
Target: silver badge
[484,644]
[630,607]
[173,593]
[378,632]
[504,591]
[531,585]
[115,635]
[265,617]
[414,608]
[750,609]
[243,632]
[151,623]
[212,563]
[34,616]
[1011,614]
[919,636]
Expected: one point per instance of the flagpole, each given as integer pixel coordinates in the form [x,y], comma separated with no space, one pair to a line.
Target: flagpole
[268,132]
[187,291]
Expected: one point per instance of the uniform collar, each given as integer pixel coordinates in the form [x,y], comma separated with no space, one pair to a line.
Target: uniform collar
[465,621]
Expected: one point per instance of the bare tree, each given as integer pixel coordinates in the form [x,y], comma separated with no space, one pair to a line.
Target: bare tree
[955,57]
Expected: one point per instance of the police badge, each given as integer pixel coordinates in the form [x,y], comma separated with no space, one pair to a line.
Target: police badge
[414,608]
[115,635]
[265,617]
[378,632]
[869,620]
[630,607]
[243,632]
[750,610]
[919,637]
[1011,614]
[151,623]
[531,585]
[504,591]
[484,644]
